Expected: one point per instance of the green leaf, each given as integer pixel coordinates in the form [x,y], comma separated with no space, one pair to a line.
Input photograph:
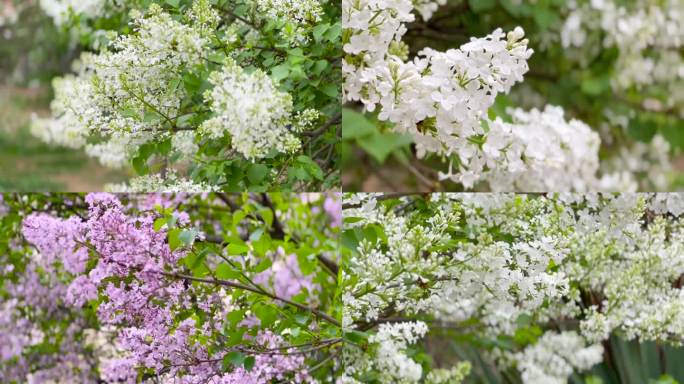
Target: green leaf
[158,223]
[545,17]
[382,145]
[235,337]
[187,237]
[595,86]
[237,249]
[192,82]
[280,72]
[140,165]
[256,173]
[330,89]
[319,30]
[320,66]
[593,380]
[174,238]
[263,265]
[673,131]
[225,271]
[355,125]
[310,166]
[334,32]
[173,3]
[266,313]
[267,215]
[233,358]
[642,128]
[249,363]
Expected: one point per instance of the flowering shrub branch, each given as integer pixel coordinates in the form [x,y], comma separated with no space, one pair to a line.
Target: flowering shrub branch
[537,284]
[455,107]
[205,96]
[168,288]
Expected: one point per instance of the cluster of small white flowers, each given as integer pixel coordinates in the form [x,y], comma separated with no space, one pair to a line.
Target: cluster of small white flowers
[538,151]
[387,355]
[439,97]
[137,74]
[390,356]
[648,34]
[117,151]
[296,11]
[305,120]
[454,375]
[204,15]
[251,108]
[442,100]
[62,10]
[124,95]
[184,143]
[157,183]
[555,357]
[492,280]
[131,94]
[612,262]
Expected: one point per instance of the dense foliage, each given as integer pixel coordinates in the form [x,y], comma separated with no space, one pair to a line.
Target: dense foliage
[202,95]
[515,288]
[169,288]
[598,104]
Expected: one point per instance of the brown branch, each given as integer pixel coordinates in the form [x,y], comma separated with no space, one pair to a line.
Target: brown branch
[334,120]
[231,284]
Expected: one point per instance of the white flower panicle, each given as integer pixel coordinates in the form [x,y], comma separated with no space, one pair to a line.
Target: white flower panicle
[250,107]
[494,261]
[442,99]
[649,36]
[391,341]
[156,183]
[136,76]
[540,151]
[555,357]
[454,375]
[296,11]
[62,10]
[132,94]
[126,95]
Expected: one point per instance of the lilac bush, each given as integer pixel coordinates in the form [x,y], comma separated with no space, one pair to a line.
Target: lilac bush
[170,288]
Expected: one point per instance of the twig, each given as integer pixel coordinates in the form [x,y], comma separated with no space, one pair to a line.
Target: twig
[334,120]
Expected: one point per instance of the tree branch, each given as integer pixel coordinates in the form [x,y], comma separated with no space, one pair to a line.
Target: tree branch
[334,120]
[232,284]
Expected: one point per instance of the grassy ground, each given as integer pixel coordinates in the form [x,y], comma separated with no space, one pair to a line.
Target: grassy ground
[29,165]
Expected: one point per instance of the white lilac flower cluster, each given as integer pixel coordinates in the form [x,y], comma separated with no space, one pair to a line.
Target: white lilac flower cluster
[252,110]
[541,151]
[124,95]
[297,11]
[442,99]
[391,341]
[132,93]
[156,183]
[611,262]
[61,11]
[387,356]
[648,34]
[556,356]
